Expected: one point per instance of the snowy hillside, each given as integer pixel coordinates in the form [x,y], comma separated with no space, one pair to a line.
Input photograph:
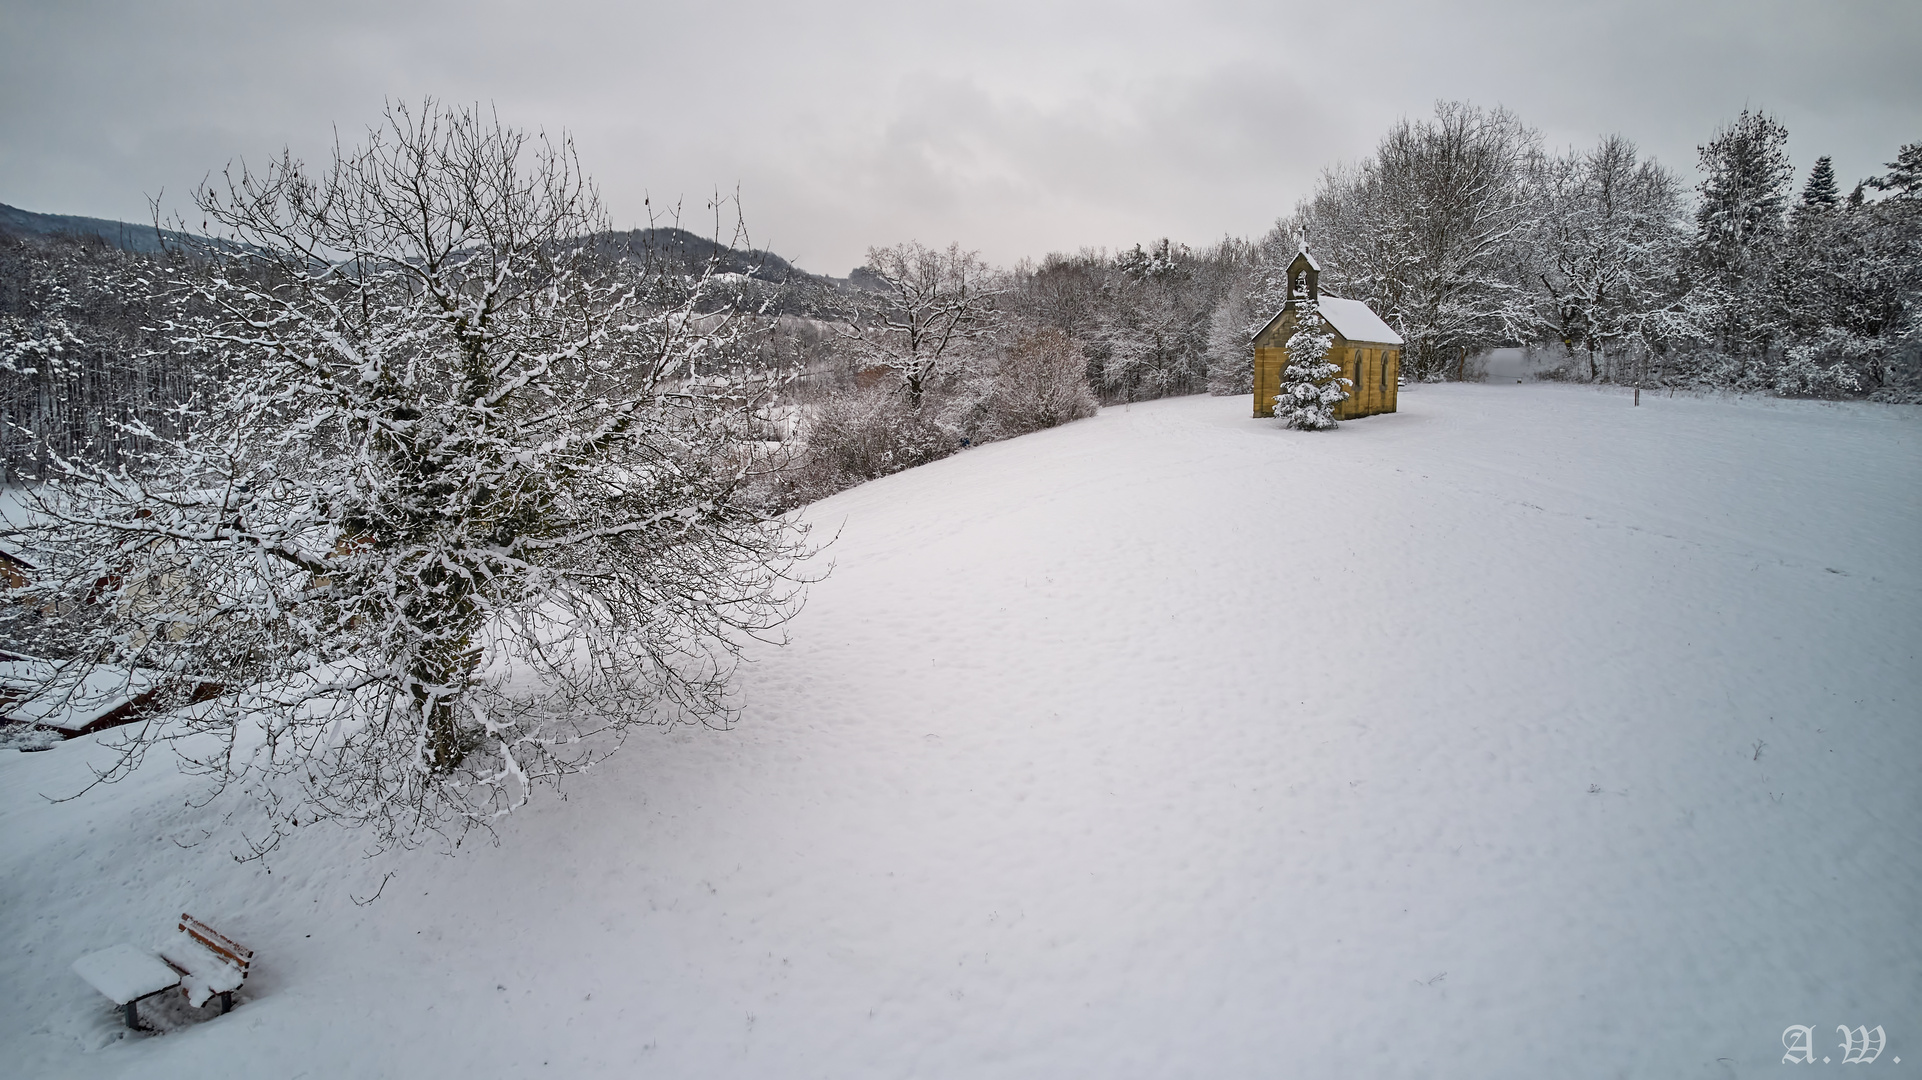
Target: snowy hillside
[1519,734]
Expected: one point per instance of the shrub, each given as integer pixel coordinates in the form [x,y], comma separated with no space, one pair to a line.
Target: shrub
[1041,383]
[859,436]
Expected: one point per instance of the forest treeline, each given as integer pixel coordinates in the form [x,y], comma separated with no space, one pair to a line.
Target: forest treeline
[1461,229]
[1467,235]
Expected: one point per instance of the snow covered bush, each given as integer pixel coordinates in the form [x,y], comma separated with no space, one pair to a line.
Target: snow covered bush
[466,508]
[1311,387]
[864,435]
[1037,381]
[1041,382]
[870,434]
[1821,368]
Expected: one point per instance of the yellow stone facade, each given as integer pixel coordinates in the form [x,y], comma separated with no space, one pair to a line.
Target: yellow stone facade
[1375,380]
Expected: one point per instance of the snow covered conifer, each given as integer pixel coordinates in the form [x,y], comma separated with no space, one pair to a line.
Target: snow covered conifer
[466,505]
[1820,193]
[1905,173]
[1744,190]
[1311,387]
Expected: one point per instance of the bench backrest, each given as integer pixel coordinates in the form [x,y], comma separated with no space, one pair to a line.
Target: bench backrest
[220,944]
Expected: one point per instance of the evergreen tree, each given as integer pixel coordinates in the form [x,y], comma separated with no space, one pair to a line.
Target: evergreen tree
[1905,173]
[1311,387]
[1745,187]
[1741,226]
[1849,288]
[1820,192]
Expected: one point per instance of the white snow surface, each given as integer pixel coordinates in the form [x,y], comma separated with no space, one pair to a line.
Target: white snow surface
[1520,733]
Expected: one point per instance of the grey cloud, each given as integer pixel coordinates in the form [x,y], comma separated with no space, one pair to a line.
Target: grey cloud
[1014,128]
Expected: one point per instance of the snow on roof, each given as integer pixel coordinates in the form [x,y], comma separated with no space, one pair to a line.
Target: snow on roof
[75,701]
[25,675]
[13,551]
[1303,254]
[1356,321]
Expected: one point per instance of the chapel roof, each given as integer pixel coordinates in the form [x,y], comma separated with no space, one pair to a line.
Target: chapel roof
[1356,321]
[1352,319]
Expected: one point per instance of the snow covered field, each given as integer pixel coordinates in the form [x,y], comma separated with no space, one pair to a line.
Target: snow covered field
[1518,734]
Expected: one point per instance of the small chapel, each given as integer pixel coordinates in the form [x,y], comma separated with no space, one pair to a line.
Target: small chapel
[1365,348]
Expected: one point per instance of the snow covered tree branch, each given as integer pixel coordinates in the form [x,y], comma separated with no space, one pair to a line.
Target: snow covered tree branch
[1430,231]
[1607,245]
[931,305]
[468,506]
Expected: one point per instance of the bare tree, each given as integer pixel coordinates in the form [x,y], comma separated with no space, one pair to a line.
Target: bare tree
[1040,382]
[1608,245]
[1431,230]
[467,508]
[1153,338]
[932,305]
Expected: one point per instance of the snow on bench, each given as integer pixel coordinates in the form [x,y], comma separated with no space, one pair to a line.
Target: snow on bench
[209,961]
[199,959]
[126,975]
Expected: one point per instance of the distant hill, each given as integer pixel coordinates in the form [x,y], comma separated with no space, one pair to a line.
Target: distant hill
[121,234]
[677,245]
[692,250]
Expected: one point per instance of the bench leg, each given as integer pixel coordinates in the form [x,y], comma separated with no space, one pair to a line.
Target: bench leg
[226,1002]
[133,1014]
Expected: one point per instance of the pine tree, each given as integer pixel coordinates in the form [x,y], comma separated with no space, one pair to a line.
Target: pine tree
[1820,192]
[1905,173]
[1741,227]
[1745,187]
[1311,387]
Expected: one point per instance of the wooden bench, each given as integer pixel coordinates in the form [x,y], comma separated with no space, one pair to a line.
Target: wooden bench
[200,960]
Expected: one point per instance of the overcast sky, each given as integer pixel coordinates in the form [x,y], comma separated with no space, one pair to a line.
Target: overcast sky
[1015,128]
